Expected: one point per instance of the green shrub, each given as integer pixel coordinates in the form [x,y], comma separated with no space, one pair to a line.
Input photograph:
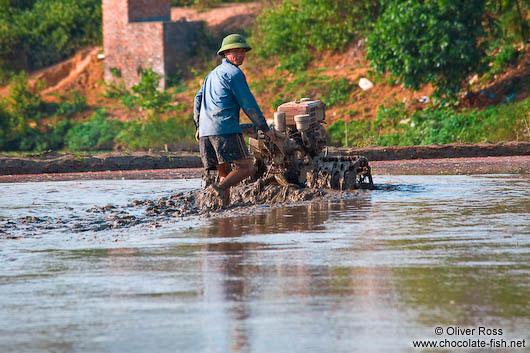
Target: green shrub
[509,20]
[155,133]
[27,138]
[23,127]
[37,33]
[22,113]
[175,80]
[148,97]
[290,29]
[145,94]
[507,56]
[66,108]
[336,135]
[117,90]
[95,134]
[5,126]
[23,104]
[52,138]
[429,42]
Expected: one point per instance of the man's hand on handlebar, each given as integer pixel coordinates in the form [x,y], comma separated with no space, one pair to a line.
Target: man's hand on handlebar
[270,134]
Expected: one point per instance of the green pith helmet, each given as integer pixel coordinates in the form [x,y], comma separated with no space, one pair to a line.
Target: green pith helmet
[233,41]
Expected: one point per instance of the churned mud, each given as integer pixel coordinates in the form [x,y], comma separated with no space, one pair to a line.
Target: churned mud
[245,199]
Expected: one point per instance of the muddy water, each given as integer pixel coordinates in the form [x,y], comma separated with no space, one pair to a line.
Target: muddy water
[367,274]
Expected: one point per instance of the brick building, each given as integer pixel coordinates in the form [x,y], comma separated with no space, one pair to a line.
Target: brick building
[139,34]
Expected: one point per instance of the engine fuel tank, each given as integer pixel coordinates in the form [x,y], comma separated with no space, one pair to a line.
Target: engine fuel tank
[314,108]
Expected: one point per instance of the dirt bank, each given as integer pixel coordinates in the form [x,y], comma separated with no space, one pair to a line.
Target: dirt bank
[51,162]
[454,150]
[149,174]
[222,19]
[453,166]
[477,165]
[448,159]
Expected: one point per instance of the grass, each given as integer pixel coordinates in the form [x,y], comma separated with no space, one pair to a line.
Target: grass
[395,126]
[330,90]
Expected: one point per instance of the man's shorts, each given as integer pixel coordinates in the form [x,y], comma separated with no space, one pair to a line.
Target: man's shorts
[219,149]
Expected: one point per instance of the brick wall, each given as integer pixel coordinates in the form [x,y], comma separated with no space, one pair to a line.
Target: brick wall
[137,35]
[149,10]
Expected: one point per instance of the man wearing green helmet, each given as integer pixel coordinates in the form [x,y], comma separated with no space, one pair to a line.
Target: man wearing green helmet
[216,115]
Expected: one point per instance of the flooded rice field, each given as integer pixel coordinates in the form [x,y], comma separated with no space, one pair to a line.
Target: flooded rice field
[440,259]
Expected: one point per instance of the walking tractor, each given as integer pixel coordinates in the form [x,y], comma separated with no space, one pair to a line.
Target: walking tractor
[299,155]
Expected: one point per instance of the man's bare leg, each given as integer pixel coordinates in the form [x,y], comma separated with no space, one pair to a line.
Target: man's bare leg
[244,168]
[223,170]
[228,178]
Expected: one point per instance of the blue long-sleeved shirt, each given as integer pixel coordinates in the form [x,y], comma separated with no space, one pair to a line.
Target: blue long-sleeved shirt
[217,104]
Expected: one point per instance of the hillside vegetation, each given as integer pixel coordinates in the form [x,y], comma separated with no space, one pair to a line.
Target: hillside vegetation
[470,57]
[38,33]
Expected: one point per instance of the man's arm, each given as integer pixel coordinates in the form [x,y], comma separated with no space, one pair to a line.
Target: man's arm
[197,107]
[247,102]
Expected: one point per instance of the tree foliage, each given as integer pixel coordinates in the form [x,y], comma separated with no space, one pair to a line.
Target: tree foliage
[37,33]
[28,123]
[24,104]
[291,29]
[96,133]
[434,42]
[148,96]
[510,19]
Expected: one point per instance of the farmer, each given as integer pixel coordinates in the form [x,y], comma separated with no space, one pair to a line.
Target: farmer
[216,114]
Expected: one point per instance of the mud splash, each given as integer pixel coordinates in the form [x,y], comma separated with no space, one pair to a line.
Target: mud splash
[245,199]
[258,193]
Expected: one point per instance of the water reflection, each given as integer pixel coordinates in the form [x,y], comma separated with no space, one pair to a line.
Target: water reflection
[412,259]
[368,274]
[231,275]
[311,217]
[454,294]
